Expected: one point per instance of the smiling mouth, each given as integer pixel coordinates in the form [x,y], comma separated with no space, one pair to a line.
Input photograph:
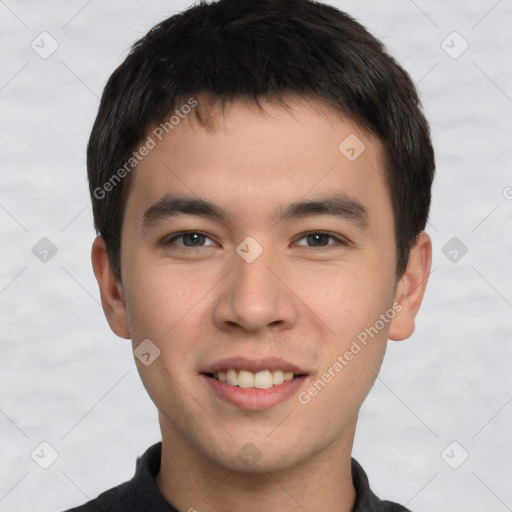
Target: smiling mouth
[257,380]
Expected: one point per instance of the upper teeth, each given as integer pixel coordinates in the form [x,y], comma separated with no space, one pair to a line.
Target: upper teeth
[260,380]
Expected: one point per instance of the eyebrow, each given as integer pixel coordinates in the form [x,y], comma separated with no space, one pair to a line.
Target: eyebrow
[337,205]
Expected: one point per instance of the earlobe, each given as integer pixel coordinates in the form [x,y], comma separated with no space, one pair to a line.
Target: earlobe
[111,290]
[411,288]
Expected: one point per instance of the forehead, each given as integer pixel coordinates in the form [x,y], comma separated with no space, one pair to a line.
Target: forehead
[252,160]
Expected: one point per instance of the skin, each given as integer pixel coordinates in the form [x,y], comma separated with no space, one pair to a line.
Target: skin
[302,300]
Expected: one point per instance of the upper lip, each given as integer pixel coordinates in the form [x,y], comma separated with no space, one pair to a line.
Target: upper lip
[254,365]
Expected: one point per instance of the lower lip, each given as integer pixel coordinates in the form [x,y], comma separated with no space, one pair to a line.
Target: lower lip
[253,399]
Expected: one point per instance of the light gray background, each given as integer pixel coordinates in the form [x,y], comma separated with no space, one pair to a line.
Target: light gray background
[67,380]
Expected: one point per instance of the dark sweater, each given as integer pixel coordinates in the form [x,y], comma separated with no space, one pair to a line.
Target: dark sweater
[141,494]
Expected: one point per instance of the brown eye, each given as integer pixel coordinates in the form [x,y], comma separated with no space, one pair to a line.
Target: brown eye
[319,239]
[189,239]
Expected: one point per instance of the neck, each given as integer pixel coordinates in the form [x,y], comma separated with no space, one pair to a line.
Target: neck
[191,482]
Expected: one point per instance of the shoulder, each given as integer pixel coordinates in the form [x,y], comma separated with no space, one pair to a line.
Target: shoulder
[388,506]
[136,495]
[366,500]
[102,503]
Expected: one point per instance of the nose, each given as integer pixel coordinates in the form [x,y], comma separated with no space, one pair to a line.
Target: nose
[254,297]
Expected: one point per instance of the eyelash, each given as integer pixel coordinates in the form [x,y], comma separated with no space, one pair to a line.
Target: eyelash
[340,240]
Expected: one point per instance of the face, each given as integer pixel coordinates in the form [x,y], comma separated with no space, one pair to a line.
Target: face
[250,252]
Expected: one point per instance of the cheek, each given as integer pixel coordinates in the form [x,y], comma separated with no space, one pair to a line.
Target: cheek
[161,299]
[350,360]
[350,302]
[167,308]
[336,397]
[347,297]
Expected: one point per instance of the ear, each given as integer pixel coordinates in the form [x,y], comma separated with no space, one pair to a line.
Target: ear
[411,288]
[111,290]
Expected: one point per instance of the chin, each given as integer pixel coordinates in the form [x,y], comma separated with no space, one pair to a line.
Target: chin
[258,454]
[260,464]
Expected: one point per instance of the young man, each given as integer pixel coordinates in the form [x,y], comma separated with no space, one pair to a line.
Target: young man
[260,173]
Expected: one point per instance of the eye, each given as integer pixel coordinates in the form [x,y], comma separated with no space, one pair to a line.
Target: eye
[189,239]
[320,239]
